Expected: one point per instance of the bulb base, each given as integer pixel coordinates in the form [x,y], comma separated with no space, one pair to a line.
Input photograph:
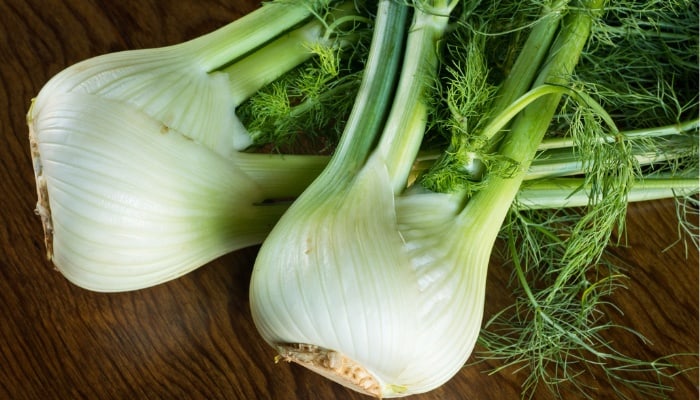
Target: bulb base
[43,208]
[332,365]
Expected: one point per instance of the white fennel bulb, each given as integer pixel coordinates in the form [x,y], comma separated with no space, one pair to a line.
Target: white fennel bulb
[373,289]
[128,203]
[137,155]
[378,293]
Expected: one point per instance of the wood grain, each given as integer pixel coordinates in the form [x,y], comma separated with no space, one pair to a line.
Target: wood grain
[193,338]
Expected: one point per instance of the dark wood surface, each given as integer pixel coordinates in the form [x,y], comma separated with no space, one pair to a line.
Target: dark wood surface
[193,338]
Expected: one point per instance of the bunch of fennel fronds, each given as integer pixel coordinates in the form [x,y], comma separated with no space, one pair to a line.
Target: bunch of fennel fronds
[472,121]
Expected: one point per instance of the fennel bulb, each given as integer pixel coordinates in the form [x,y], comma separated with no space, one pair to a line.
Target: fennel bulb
[127,203]
[136,153]
[374,292]
[349,284]
[381,287]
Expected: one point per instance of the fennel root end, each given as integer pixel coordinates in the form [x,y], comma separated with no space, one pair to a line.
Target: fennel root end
[43,208]
[332,365]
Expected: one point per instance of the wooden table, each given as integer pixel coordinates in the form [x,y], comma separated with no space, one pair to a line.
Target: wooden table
[193,338]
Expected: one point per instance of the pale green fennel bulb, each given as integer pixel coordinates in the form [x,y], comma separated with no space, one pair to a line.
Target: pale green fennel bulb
[350,278]
[127,204]
[136,153]
[379,287]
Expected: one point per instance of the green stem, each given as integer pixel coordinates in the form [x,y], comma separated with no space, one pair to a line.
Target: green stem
[281,176]
[646,31]
[488,208]
[249,74]
[310,103]
[346,19]
[268,63]
[519,272]
[505,117]
[513,92]
[680,128]
[249,32]
[557,156]
[405,126]
[531,125]
[531,56]
[373,99]
[573,192]
[653,150]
